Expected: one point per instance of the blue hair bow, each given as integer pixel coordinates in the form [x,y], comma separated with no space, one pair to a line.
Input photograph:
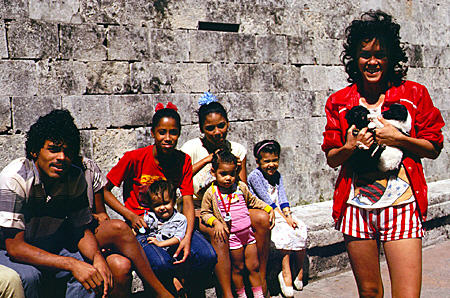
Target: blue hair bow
[207,98]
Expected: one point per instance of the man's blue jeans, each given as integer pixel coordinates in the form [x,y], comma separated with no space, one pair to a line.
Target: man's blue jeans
[32,277]
[199,265]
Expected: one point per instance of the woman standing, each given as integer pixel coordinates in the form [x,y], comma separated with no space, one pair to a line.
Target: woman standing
[213,122]
[373,57]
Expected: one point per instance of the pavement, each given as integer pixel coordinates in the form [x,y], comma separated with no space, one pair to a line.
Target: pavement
[435,278]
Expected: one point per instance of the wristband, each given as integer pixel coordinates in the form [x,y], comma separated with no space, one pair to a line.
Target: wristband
[268,208]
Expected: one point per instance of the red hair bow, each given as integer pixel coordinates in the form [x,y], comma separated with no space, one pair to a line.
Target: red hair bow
[170,105]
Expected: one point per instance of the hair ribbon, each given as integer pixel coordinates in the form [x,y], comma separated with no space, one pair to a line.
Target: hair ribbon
[207,98]
[170,105]
[264,145]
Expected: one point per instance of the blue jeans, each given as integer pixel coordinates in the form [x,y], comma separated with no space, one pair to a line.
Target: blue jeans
[32,277]
[200,263]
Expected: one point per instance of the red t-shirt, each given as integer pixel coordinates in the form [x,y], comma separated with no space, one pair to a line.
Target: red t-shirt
[138,167]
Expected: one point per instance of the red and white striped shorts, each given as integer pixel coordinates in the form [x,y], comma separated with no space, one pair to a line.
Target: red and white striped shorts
[386,224]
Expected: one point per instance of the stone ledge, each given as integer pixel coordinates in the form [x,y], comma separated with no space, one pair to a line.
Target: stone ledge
[326,252]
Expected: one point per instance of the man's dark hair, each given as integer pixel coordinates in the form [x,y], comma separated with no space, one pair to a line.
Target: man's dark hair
[57,126]
[379,25]
[223,156]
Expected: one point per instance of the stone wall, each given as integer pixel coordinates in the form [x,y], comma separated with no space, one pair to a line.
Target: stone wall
[109,62]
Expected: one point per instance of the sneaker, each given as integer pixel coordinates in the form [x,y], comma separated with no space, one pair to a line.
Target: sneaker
[298,284]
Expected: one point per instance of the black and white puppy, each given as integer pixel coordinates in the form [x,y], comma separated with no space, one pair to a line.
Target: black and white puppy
[385,158]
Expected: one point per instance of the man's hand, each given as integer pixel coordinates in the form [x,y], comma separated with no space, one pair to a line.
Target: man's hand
[221,231]
[185,246]
[100,264]
[87,275]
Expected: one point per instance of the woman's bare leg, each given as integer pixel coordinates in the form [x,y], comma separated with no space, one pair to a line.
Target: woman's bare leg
[116,233]
[286,267]
[300,258]
[404,258]
[261,226]
[223,266]
[365,262]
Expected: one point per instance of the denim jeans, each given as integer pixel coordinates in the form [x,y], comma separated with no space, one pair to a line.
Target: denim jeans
[200,263]
[32,277]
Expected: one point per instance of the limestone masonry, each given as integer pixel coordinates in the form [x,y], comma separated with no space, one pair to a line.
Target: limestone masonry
[273,63]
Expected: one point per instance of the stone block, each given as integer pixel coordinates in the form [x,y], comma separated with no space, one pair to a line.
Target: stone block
[103,11]
[55,11]
[169,78]
[18,78]
[32,39]
[128,43]
[272,49]
[239,48]
[415,55]
[300,50]
[435,56]
[26,110]
[186,103]
[107,77]
[227,77]
[61,77]
[313,77]
[336,78]
[3,44]
[328,51]
[206,46]
[186,14]
[109,145]
[106,111]
[155,13]
[5,113]
[13,9]
[82,42]
[13,146]
[169,45]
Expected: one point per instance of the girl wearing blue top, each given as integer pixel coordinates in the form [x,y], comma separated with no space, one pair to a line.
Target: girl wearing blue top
[289,234]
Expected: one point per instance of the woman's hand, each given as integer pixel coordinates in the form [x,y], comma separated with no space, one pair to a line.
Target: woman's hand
[271,219]
[185,246]
[221,231]
[137,222]
[291,221]
[388,135]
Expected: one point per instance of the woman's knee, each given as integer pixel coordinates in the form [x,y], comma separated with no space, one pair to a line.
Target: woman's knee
[370,290]
[260,220]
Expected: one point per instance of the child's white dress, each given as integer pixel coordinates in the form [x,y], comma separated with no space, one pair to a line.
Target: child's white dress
[283,235]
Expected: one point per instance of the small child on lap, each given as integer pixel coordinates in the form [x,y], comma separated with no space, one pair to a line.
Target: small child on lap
[289,234]
[166,226]
[225,207]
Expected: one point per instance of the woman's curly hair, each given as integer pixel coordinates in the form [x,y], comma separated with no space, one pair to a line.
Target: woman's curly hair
[57,126]
[375,24]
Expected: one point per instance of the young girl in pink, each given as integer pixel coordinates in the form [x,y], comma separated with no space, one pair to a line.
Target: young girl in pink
[289,234]
[225,207]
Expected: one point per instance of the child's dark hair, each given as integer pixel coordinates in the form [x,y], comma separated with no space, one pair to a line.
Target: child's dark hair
[379,25]
[206,109]
[166,112]
[57,126]
[268,146]
[223,156]
[157,188]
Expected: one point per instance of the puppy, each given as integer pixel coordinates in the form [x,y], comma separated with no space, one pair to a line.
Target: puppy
[384,158]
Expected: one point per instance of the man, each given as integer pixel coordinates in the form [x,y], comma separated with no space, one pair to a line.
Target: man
[45,215]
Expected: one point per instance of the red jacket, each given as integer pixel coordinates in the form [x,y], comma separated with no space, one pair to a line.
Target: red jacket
[426,124]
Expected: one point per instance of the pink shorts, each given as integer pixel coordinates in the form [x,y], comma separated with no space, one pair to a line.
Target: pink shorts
[241,238]
[386,224]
